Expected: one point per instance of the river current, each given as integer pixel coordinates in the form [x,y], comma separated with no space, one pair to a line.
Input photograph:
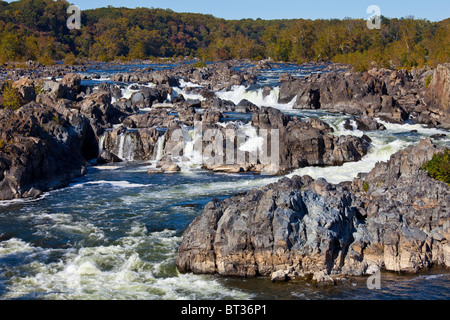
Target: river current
[113,234]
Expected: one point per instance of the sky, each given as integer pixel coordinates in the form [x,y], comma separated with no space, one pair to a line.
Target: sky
[434,10]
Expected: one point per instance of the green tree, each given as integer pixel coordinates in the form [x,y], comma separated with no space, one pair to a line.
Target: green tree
[138,51]
[11,96]
[439,166]
[10,48]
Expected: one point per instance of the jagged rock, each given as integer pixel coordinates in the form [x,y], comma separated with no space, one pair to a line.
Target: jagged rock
[170,167]
[314,227]
[279,276]
[394,96]
[107,157]
[438,136]
[55,89]
[44,149]
[154,118]
[366,123]
[146,97]
[245,106]
[26,88]
[437,95]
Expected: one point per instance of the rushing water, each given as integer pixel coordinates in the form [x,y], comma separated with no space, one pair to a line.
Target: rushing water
[114,233]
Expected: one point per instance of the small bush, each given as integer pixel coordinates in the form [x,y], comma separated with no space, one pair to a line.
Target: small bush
[366,187]
[427,81]
[56,120]
[2,144]
[70,59]
[199,64]
[12,99]
[439,166]
[46,60]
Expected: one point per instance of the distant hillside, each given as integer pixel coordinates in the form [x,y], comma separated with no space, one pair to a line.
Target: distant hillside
[36,30]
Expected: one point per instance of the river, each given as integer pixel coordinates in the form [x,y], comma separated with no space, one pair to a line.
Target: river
[114,233]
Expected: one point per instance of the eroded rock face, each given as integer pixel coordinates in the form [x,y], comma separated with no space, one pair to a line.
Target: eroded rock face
[277,227]
[438,95]
[131,145]
[393,96]
[308,142]
[407,211]
[43,148]
[302,226]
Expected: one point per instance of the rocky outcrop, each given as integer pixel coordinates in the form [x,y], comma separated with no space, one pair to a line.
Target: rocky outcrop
[161,77]
[300,226]
[346,92]
[35,70]
[278,227]
[275,143]
[438,96]
[215,76]
[42,148]
[407,212]
[146,97]
[153,118]
[393,96]
[131,145]
[309,143]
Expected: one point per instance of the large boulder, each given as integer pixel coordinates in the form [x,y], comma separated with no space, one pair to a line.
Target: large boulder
[43,148]
[278,227]
[131,145]
[399,220]
[26,88]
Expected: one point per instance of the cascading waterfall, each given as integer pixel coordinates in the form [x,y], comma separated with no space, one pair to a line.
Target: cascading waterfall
[101,142]
[192,157]
[121,146]
[127,147]
[238,93]
[159,148]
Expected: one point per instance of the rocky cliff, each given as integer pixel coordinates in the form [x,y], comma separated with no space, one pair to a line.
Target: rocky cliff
[299,226]
[392,95]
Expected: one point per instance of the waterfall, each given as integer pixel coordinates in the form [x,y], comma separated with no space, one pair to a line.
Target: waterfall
[101,142]
[257,97]
[192,154]
[121,143]
[159,148]
[126,147]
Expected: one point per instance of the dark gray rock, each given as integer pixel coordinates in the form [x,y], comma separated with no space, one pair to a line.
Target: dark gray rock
[302,226]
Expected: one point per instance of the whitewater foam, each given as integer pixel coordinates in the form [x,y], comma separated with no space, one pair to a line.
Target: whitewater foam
[238,93]
[116,184]
[124,270]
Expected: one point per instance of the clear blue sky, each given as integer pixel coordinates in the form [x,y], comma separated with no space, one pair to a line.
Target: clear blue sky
[434,10]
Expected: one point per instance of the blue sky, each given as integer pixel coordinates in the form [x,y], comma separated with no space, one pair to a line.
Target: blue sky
[433,10]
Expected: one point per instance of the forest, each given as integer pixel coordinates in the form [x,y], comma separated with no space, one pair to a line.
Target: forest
[37,30]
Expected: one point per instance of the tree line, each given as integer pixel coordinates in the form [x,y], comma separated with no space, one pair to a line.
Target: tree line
[37,30]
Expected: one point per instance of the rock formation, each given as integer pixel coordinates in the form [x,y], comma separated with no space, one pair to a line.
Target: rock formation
[299,226]
[393,96]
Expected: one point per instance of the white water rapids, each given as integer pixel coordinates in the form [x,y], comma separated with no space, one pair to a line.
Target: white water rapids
[114,234]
